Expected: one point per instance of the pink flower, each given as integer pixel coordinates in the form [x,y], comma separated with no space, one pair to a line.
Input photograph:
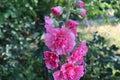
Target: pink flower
[81,4]
[60,40]
[51,60]
[58,75]
[48,24]
[83,12]
[48,20]
[78,54]
[84,65]
[83,48]
[56,11]
[72,25]
[69,72]
[75,57]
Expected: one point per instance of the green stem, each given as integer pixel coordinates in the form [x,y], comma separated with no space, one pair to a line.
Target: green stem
[64,59]
[57,2]
[68,12]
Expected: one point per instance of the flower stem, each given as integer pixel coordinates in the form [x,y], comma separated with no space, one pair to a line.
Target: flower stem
[57,2]
[68,10]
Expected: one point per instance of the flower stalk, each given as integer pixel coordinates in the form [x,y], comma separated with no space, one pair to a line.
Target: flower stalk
[61,57]
[68,10]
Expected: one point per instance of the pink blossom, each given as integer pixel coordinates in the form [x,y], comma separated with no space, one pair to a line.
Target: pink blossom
[75,57]
[48,24]
[69,72]
[58,75]
[84,65]
[81,4]
[83,12]
[48,20]
[83,48]
[72,25]
[56,11]
[51,60]
[60,40]
[78,54]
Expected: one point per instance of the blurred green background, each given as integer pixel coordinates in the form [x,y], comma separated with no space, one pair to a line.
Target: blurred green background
[22,44]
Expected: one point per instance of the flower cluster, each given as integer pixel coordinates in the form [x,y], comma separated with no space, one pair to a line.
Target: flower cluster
[61,42]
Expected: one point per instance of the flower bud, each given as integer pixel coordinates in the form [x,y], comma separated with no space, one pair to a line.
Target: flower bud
[82,11]
[56,11]
[81,4]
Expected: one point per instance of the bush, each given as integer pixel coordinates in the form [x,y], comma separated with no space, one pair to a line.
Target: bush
[102,61]
[21,46]
[102,8]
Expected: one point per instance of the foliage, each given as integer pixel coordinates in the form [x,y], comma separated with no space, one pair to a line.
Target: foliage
[102,61]
[21,44]
[102,8]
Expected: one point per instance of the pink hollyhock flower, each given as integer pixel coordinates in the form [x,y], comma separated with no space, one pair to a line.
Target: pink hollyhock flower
[56,11]
[72,25]
[48,24]
[69,72]
[81,4]
[60,40]
[83,12]
[83,48]
[78,54]
[75,57]
[58,75]
[48,20]
[51,60]
[84,65]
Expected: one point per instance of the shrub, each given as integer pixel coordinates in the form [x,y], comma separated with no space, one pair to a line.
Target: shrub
[21,44]
[102,60]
